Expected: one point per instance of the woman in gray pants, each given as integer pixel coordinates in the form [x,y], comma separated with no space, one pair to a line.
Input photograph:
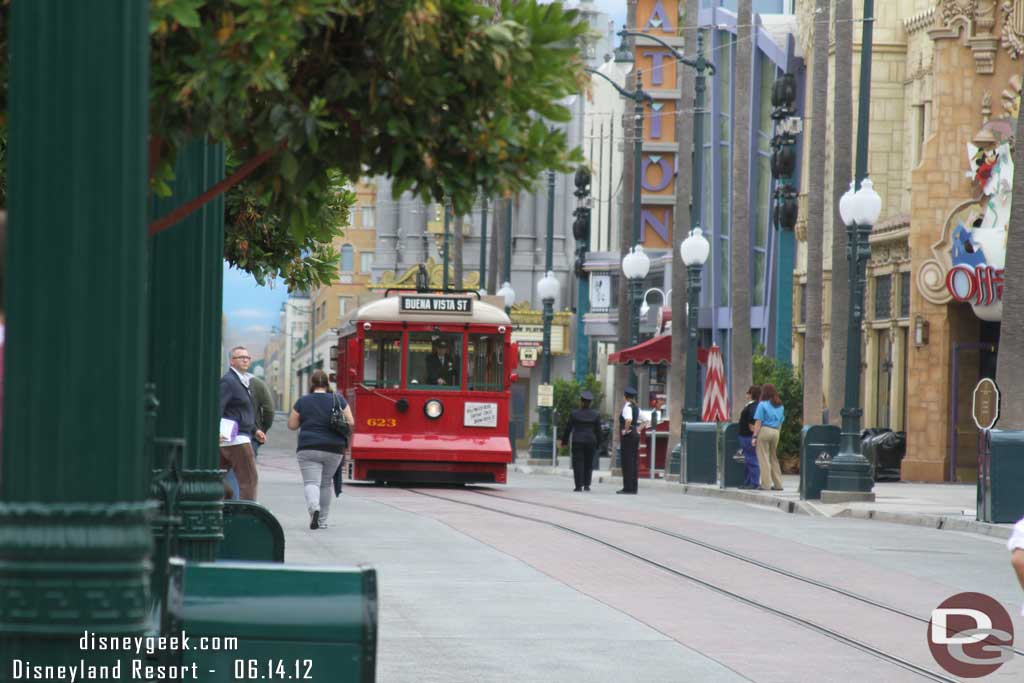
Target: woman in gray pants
[320,448]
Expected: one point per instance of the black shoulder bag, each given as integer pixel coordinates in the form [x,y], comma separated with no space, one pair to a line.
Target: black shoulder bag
[338,424]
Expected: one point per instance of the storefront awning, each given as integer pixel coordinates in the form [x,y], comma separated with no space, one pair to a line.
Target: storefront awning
[654,351]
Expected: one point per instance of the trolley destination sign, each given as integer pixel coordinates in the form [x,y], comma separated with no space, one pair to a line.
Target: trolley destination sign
[462,305]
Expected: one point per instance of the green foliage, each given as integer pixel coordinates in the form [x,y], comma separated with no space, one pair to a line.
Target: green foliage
[436,94]
[567,399]
[768,370]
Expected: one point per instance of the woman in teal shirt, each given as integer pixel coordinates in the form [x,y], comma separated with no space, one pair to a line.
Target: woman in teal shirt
[767,422]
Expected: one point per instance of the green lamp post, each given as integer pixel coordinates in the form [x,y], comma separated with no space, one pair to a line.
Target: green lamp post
[694,251]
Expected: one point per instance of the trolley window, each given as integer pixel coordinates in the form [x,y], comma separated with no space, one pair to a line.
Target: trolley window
[435,360]
[486,360]
[382,360]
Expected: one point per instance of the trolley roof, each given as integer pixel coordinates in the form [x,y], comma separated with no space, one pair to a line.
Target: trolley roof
[389,310]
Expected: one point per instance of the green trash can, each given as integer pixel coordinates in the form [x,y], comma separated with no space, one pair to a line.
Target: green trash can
[731,473]
[262,621]
[700,456]
[1001,477]
[251,533]
[818,445]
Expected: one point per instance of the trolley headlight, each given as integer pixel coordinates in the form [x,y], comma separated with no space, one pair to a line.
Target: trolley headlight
[433,409]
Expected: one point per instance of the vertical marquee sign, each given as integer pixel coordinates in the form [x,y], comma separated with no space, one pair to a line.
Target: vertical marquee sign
[660,78]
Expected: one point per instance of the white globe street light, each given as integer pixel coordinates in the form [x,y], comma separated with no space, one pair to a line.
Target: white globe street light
[867,205]
[548,287]
[695,248]
[635,266]
[846,205]
[507,293]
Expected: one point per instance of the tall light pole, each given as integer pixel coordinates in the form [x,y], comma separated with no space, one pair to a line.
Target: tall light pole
[635,267]
[447,221]
[483,245]
[703,68]
[547,289]
[694,251]
[581,231]
[849,475]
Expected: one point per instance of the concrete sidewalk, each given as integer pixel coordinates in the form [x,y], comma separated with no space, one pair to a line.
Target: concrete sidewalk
[936,506]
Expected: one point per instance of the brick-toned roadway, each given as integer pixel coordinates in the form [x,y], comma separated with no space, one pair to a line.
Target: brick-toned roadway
[471,594]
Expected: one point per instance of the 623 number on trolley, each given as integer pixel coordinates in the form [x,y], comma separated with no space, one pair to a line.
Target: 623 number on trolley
[381,422]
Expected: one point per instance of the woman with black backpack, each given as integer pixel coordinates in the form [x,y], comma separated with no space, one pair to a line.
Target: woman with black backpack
[324,421]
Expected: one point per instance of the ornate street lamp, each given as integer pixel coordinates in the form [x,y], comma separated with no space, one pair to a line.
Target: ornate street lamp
[694,251]
[849,475]
[635,266]
[645,307]
[508,294]
[547,290]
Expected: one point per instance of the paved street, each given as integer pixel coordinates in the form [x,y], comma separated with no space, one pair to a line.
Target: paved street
[531,582]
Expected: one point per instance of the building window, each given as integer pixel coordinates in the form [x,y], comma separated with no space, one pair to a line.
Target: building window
[365,261]
[803,304]
[367,215]
[347,258]
[883,297]
[323,311]
[905,294]
[343,304]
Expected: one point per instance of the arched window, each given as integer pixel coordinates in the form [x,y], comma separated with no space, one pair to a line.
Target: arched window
[348,255]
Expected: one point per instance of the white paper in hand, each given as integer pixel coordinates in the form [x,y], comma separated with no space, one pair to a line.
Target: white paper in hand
[228,430]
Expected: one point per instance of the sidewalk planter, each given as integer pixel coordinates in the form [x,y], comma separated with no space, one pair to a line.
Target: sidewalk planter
[818,445]
[304,623]
[1001,478]
[701,453]
[251,533]
[730,472]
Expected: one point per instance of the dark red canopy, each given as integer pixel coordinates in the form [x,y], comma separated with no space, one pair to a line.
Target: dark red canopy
[654,351]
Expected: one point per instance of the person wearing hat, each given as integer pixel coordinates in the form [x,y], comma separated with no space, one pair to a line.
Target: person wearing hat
[440,365]
[584,430]
[630,441]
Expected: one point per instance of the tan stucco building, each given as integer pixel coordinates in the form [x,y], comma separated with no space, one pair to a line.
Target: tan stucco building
[944,75]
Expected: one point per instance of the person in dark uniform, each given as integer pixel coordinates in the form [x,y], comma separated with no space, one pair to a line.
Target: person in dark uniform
[630,442]
[584,429]
[746,436]
[440,366]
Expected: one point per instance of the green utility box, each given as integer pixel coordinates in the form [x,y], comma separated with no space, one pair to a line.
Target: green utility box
[701,453]
[818,445]
[251,533]
[1001,477]
[297,623]
[731,473]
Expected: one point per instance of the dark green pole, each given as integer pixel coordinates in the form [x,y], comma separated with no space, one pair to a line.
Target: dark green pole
[540,446]
[447,222]
[75,542]
[692,402]
[850,472]
[483,244]
[186,292]
[635,286]
[508,243]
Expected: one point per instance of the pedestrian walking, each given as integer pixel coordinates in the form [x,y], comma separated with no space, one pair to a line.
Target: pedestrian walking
[264,406]
[584,433]
[768,420]
[1016,547]
[746,436]
[320,448]
[236,404]
[629,443]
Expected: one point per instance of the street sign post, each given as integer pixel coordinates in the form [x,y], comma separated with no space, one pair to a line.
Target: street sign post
[545,395]
[985,404]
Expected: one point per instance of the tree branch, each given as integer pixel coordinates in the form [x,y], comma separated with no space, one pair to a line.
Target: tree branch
[168,220]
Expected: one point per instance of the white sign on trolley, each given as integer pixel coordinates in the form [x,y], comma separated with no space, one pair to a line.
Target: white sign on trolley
[480,414]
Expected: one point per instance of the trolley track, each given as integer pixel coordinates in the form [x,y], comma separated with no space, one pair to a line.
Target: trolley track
[709,585]
[723,551]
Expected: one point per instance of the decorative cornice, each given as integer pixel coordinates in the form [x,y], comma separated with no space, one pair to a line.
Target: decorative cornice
[919,21]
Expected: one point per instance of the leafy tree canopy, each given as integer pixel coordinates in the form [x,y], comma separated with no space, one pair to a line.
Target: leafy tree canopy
[446,96]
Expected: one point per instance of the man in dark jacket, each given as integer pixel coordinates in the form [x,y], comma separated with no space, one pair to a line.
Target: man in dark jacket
[584,429]
[236,404]
[441,367]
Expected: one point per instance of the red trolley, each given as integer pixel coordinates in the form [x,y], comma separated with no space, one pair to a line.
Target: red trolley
[428,376]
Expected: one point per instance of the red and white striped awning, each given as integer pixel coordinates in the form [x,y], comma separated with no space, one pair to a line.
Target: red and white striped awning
[716,397]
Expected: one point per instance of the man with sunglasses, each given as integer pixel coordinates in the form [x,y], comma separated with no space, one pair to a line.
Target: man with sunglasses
[236,403]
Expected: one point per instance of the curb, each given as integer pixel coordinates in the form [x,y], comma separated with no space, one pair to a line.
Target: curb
[801,507]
